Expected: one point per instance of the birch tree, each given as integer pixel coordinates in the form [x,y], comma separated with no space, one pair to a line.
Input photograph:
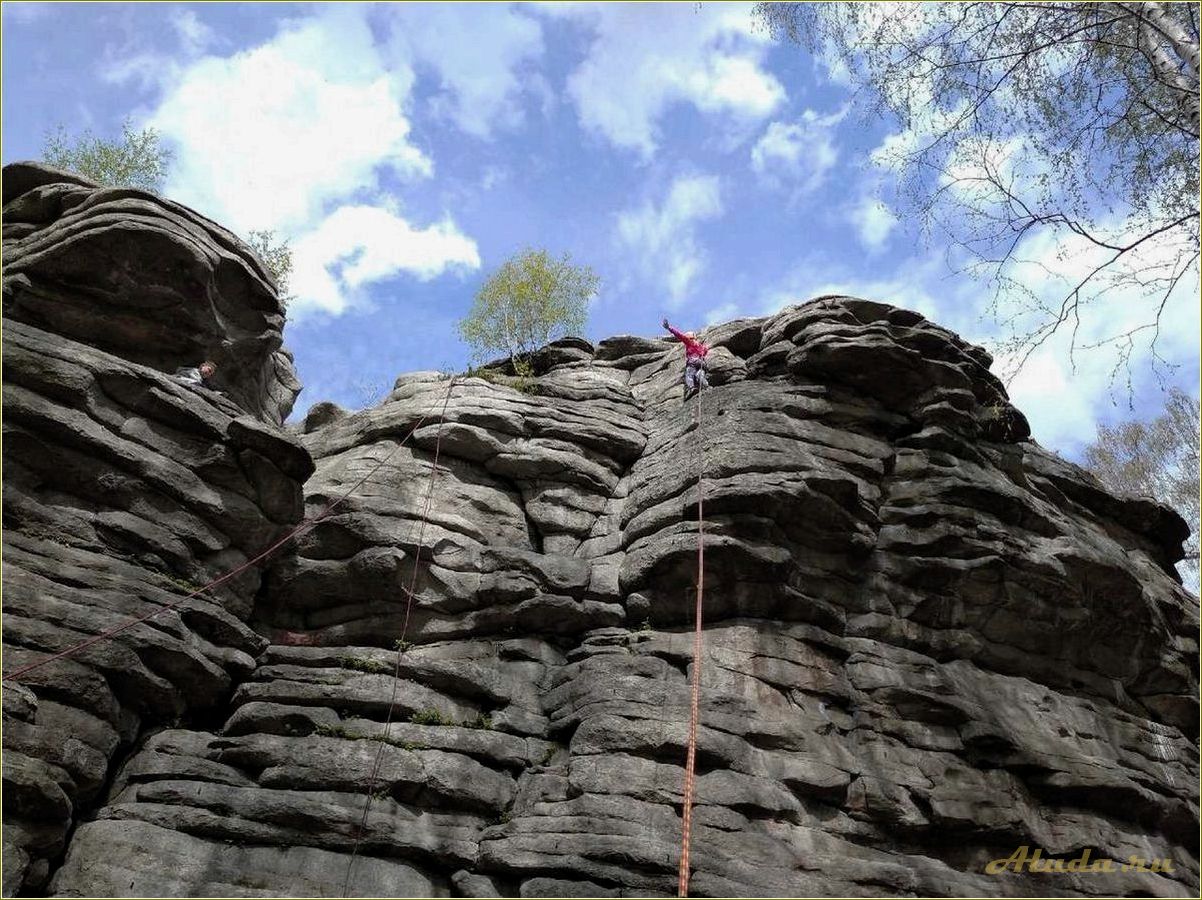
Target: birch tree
[1035,125]
[531,300]
[1156,459]
[137,159]
[276,254]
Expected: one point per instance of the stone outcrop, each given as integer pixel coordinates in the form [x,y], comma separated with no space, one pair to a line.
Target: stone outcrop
[928,640]
[146,279]
[124,491]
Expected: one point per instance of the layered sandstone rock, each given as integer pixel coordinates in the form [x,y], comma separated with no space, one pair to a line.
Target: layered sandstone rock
[145,279]
[124,491]
[929,641]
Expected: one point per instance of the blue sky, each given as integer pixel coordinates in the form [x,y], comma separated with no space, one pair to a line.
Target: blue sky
[702,170]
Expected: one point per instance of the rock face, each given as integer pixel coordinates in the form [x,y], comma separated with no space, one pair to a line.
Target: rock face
[928,641]
[124,490]
[144,279]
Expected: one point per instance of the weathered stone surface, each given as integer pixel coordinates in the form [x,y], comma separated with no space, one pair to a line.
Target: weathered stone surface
[928,640]
[130,863]
[320,414]
[124,492]
[183,289]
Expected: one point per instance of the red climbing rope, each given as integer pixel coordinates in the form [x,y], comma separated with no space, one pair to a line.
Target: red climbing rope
[694,710]
[400,652]
[307,523]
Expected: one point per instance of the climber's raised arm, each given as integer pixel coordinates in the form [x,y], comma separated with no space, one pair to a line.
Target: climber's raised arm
[694,360]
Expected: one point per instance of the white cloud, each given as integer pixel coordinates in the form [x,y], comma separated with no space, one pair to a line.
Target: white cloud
[295,135]
[799,153]
[929,118]
[1050,263]
[722,313]
[831,63]
[1065,393]
[874,222]
[266,137]
[493,176]
[663,238]
[482,54]
[194,35]
[360,244]
[646,57]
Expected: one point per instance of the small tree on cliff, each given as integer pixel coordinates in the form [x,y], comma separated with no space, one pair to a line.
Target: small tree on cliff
[276,256]
[1156,459]
[137,159]
[531,300]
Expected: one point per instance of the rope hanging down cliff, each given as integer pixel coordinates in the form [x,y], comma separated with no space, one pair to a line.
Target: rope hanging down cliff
[400,652]
[694,707]
[307,523]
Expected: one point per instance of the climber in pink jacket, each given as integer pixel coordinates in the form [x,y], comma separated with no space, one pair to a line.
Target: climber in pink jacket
[694,360]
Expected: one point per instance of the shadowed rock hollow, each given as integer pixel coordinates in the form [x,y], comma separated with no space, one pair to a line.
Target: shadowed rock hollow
[928,640]
[145,279]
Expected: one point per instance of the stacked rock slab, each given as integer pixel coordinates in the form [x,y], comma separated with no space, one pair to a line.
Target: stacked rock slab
[929,642]
[145,279]
[124,491]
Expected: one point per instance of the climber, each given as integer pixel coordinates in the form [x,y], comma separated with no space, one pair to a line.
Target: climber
[694,360]
[198,376]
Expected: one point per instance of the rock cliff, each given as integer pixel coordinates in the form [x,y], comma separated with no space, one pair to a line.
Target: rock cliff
[928,640]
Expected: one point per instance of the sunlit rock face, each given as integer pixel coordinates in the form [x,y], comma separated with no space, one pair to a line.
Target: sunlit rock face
[928,641]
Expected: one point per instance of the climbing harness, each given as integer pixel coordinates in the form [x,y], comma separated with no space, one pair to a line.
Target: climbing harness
[400,652]
[694,707]
[305,524]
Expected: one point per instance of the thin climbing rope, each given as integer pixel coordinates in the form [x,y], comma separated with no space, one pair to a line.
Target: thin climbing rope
[305,524]
[400,652]
[694,710]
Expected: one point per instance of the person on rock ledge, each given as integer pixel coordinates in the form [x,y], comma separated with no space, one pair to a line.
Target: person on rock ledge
[198,376]
[694,360]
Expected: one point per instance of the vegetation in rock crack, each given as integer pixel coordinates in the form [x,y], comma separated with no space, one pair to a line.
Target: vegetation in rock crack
[481,372]
[403,646]
[532,299]
[137,159]
[342,731]
[430,716]
[276,254]
[993,411]
[481,721]
[45,533]
[182,584]
[366,664]
[524,380]
[1029,124]
[333,731]
[1156,459]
